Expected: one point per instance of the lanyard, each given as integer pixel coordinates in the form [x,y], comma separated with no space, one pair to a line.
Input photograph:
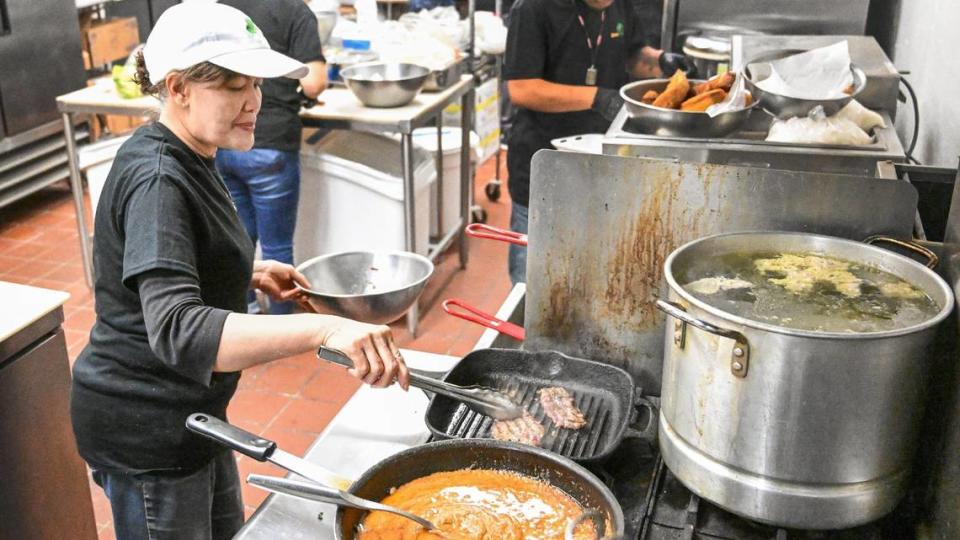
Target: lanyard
[593,50]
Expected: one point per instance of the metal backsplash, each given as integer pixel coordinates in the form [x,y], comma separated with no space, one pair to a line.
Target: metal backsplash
[602,226]
[769,16]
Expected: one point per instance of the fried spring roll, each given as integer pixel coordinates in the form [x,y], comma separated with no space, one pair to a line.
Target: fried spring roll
[704,100]
[724,81]
[675,92]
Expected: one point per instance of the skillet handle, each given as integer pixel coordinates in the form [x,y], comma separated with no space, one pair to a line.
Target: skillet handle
[739,359]
[482,318]
[229,435]
[648,432]
[480,230]
[932,259]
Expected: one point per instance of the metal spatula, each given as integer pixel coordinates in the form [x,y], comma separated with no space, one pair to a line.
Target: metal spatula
[480,398]
[317,492]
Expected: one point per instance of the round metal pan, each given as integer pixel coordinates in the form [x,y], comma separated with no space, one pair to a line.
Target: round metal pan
[438,456]
[676,123]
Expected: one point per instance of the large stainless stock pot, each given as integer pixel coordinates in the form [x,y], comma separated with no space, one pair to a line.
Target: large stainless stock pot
[802,429]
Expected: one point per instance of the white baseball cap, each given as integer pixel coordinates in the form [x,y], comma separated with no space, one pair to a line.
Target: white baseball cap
[193,32]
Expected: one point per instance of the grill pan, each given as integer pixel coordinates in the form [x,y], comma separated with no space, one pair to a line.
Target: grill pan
[604,393]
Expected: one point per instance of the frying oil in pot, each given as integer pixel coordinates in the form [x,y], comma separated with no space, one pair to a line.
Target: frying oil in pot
[477,505]
[807,291]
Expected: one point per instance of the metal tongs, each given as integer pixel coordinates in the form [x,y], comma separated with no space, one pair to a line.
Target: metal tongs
[317,492]
[480,398]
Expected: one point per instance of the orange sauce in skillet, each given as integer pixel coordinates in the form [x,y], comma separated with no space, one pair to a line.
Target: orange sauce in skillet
[477,505]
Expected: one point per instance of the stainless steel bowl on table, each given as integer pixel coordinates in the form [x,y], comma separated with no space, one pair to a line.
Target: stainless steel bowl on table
[372,287]
[385,84]
[677,123]
[784,107]
[798,428]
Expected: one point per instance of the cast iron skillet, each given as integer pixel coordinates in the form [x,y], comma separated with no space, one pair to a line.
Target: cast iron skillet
[604,393]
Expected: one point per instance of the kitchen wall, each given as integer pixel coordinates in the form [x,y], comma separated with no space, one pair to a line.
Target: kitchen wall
[923,37]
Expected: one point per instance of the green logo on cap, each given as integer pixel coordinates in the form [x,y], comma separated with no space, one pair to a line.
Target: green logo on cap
[251,28]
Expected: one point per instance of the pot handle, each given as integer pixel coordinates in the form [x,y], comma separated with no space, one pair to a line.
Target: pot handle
[484,319]
[932,259]
[479,230]
[599,524]
[740,357]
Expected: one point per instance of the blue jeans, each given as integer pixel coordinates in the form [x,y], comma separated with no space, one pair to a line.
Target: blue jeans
[205,505]
[265,186]
[517,256]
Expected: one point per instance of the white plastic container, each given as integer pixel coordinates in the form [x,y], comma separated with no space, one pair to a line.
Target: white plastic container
[426,138]
[351,195]
[95,160]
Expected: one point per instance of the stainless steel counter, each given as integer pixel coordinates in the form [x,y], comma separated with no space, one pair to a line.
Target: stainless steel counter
[748,149]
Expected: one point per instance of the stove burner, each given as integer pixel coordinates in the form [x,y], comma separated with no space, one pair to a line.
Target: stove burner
[657,506]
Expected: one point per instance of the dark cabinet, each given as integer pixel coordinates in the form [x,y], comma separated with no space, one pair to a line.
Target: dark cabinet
[45,492]
[146,11]
[40,59]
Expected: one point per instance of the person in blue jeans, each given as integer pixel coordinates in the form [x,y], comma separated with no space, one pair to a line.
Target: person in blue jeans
[265,181]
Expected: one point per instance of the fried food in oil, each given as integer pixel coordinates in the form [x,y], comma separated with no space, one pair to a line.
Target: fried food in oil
[649,96]
[704,100]
[675,92]
[724,82]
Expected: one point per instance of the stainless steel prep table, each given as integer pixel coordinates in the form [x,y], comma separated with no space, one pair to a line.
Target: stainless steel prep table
[339,110]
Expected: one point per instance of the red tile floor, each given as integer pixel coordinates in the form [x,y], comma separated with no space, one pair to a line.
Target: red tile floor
[289,401]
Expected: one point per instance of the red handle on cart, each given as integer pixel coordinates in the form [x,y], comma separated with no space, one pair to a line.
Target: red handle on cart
[484,319]
[479,230]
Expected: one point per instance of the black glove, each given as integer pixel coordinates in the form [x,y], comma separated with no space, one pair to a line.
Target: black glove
[607,103]
[670,62]
[305,102]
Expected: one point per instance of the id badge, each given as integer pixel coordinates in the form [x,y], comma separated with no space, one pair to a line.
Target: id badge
[591,76]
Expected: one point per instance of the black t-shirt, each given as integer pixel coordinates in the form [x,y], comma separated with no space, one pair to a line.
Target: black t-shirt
[290,28]
[546,41]
[163,209]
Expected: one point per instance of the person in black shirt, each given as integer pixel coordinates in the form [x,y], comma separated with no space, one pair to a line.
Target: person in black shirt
[265,181]
[173,264]
[565,62]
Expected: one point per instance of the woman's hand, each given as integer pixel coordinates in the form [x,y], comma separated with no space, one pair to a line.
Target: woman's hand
[376,357]
[278,281]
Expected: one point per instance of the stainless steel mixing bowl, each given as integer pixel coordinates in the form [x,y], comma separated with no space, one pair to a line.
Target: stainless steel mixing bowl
[676,123]
[385,84]
[372,287]
[784,107]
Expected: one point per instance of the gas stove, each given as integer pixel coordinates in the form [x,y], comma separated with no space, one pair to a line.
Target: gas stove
[657,506]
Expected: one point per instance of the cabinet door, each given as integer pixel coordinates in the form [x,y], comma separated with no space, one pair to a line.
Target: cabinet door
[45,492]
[40,59]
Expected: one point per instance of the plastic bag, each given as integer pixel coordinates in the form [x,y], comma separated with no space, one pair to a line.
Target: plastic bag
[123,77]
[736,98]
[817,128]
[861,116]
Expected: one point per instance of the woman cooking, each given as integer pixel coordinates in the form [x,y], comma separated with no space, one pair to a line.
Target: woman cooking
[173,264]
